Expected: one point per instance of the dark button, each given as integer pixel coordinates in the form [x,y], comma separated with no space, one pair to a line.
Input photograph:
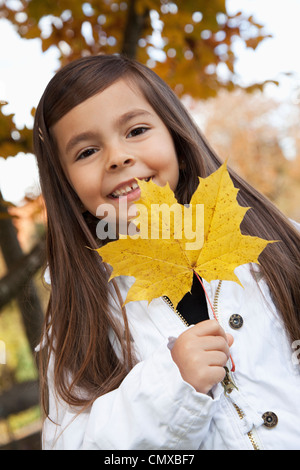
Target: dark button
[270,419]
[236,321]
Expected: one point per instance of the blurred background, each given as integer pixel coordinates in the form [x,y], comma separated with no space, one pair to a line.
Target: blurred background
[234,65]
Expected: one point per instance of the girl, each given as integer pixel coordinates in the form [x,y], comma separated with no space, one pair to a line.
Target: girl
[115,380]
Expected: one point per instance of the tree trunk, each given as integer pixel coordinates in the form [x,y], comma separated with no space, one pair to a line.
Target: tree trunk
[18,275]
[135,24]
[27,298]
[19,398]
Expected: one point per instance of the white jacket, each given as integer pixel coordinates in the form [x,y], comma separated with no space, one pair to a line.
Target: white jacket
[155,409]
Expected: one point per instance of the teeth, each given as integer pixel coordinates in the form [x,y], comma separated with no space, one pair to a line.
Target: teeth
[124,191]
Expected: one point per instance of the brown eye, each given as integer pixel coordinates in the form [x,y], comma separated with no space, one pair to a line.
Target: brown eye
[137,131]
[85,154]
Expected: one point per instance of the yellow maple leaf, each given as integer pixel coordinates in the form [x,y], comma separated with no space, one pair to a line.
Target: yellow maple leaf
[174,241]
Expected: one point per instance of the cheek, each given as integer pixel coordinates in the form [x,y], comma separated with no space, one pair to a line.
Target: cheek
[164,154]
[87,189]
[166,163]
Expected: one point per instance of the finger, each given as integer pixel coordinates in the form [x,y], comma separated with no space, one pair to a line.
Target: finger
[214,343]
[217,374]
[230,339]
[208,328]
[216,358]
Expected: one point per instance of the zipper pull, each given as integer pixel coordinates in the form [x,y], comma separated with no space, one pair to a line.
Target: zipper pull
[228,383]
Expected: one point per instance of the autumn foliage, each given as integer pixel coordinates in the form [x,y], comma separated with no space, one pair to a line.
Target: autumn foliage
[195,37]
[187,43]
[260,138]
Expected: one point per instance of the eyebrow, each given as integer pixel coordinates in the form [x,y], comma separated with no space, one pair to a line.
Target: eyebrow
[88,135]
[131,115]
[77,139]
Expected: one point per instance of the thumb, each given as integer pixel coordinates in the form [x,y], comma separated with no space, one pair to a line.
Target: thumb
[229,339]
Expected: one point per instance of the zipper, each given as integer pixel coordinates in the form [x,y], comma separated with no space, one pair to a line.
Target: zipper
[250,433]
[228,382]
[168,302]
[216,300]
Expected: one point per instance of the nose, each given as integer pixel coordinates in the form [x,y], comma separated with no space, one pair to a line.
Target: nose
[117,160]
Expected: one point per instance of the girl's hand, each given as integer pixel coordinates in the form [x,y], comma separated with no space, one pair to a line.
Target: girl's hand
[201,353]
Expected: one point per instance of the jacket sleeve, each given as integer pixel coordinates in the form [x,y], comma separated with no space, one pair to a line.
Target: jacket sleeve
[152,409]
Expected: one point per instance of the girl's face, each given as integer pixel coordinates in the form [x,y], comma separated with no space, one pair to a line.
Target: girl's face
[110,139]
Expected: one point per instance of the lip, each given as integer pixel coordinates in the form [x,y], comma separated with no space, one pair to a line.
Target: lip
[128,183]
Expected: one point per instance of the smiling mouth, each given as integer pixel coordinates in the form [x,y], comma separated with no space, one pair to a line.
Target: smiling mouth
[127,189]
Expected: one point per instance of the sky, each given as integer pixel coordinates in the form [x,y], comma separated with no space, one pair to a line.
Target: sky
[277,55]
[25,71]
[24,74]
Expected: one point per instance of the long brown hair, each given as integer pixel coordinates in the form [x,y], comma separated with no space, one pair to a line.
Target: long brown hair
[78,319]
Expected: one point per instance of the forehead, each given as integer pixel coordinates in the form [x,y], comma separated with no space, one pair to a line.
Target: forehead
[120,94]
[116,98]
